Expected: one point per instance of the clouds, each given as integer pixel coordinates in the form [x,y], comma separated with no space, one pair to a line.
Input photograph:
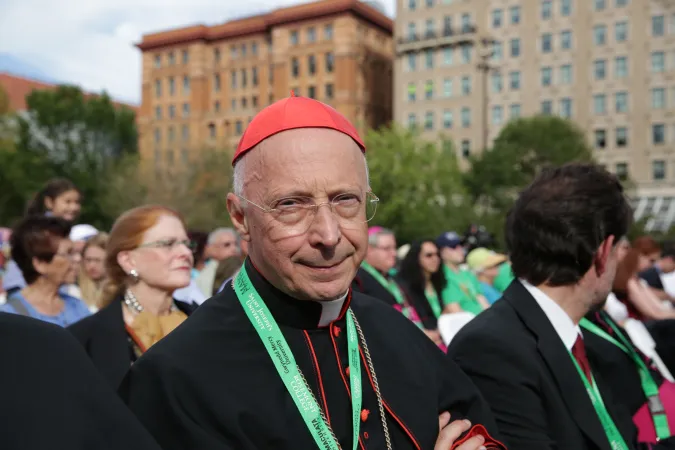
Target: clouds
[91,42]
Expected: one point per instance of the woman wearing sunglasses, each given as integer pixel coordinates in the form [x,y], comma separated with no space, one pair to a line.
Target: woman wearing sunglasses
[148,257]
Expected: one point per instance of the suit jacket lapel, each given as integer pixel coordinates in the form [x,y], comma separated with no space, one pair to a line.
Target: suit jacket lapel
[560,365]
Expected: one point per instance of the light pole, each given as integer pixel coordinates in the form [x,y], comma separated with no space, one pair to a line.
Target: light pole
[485,67]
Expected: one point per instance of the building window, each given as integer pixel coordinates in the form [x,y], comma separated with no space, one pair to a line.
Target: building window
[254,101]
[328,32]
[172,86]
[514,12]
[547,107]
[599,5]
[238,127]
[294,37]
[466,148]
[566,74]
[621,102]
[565,7]
[546,9]
[330,62]
[429,33]
[497,115]
[621,136]
[447,119]
[412,92]
[447,25]
[658,169]
[514,111]
[620,3]
[216,55]
[514,80]
[658,133]
[412,5]
[497,51]
[658,98]
[497,84]
[412,121]
[429,90]
[622,171]
[546,79]
[599,104]
[216,106]
[497,18]
[233,78]
[295,67]
[466,54]
[429,59]
[244,78]
[658,62]
[429,120]
[412,62]
[658,26]
[216,83]
[599,66]
[311,35]
[172,59]
[186,110]
[185,133]
[620,67]
[447,87]
[254,76]
[430,3]
[234,52]
[600,34]
[546,43]
[466,85]
[158,61]
[329,91]
[447,56]
[621,31]
[171,135]
[172,111]
[311,64]
[466,117]
[186,85]
[158,112]
[466,23]
[311,92]
[600,138]
[254,48]
[412,31]
[566,40]
[244,102]
[566,108]
[515,47]
[186,57]
[243,50]
[158,135]
[233,104]
[212,130]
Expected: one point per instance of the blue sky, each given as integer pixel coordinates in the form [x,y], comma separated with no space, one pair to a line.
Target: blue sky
[90,42]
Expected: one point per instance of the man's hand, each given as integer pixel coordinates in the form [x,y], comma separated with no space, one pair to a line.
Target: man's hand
[450,432]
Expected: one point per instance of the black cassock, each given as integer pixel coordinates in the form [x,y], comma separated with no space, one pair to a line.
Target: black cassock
[211,384]
[52,396]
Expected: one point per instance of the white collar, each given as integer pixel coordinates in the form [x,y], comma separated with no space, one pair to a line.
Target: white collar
[330,310]
[562,323]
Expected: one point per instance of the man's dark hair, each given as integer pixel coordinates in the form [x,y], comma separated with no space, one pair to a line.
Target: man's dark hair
[36,237]
[668,250]
[558,222]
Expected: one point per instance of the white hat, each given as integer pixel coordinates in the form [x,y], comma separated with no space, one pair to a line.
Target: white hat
[82,232]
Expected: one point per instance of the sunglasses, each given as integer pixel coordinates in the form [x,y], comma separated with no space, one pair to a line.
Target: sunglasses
[430,255]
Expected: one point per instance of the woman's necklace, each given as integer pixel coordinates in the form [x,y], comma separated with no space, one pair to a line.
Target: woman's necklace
[134,305]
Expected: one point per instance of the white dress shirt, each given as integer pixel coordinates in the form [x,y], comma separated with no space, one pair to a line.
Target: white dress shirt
[562,323]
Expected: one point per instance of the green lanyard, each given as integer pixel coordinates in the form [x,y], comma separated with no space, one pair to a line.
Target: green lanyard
[271,336]
[649,386]
[390,286]
[616,441]
[432,298]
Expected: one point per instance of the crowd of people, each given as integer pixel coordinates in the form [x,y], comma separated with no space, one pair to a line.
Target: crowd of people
[305,326]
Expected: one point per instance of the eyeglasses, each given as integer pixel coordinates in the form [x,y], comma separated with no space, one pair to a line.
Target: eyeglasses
[71,254]
[169,244]
[296,214]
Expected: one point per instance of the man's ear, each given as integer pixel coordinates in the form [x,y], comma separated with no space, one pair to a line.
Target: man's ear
[238,216]
[603,254]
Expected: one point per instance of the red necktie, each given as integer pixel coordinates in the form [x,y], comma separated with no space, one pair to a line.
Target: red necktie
[579,353]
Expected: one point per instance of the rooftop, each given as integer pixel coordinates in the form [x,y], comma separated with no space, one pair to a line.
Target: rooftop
[263,22]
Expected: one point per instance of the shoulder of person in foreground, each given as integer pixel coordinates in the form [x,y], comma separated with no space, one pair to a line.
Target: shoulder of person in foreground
[51,381]
[402,349]
[497,356]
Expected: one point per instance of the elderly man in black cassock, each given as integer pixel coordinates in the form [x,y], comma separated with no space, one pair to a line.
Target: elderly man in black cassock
[287,357]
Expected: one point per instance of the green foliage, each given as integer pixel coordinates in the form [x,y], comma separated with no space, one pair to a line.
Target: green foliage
[419,185]
[523,148]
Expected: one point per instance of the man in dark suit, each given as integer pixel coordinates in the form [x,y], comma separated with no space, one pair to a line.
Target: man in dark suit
[526,354]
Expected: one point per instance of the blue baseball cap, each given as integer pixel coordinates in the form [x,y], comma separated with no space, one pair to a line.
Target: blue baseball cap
[448,239]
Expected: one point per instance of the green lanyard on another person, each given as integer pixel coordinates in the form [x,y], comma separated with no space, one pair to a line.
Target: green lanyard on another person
[389,285]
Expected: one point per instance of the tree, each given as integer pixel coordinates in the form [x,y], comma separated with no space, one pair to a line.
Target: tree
[419,186]
[74,136]
[523,148]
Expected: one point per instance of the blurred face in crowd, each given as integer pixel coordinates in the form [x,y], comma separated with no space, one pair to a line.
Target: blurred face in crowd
[93,262]
[62,269]
[491,272]
[223,246]
[163,260]
[67,205]
[430,260]
[453,255]
[383,255]
[316,257]
[622,249]
[667,264]
[645,262]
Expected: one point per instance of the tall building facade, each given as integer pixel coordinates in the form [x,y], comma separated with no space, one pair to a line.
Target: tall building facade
[203,85]
[464,68]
